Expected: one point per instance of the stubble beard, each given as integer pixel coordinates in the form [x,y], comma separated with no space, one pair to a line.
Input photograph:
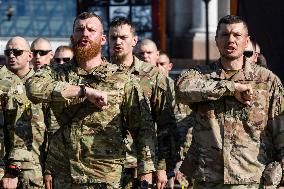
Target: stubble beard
[84,54]
[118,59]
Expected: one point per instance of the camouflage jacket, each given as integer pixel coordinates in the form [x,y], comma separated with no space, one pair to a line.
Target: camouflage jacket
[94,138]
[157,88]
[24,130]
[6,83]
[185,123]
[232,142]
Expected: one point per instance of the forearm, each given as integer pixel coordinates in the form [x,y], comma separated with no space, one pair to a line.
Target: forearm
[198,90]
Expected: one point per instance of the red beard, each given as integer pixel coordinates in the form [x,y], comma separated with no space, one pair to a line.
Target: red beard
[84,54]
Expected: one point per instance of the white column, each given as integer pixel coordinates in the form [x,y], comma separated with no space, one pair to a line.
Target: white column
[198,29]
[198,16]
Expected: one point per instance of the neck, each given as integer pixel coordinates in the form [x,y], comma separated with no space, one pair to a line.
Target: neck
[235,64]
[127,61]
[21,73]
[90,64]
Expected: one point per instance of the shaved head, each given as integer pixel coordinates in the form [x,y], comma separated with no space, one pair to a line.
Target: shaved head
[19,40]
[41,42]
[150,43]
[18,56]
[148,51]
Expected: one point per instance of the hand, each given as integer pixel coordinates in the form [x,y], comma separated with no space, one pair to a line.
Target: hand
[9,182]
[47,179]
[161,179]
[99,98]
[243,93]
[146,176]
[171,182]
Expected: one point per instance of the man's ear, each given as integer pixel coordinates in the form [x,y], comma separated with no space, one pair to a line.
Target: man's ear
[104,39]
[171,66]
[135,40]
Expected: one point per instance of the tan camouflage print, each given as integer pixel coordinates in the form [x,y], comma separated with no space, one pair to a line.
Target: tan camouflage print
[185,123]
[231,142]
[25,132]
[206,185]
[90,142]
[158,89]
[5,86]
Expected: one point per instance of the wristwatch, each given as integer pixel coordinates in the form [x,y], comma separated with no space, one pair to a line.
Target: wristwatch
[145,184]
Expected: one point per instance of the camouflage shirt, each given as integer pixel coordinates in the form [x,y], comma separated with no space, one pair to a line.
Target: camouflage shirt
[25,130]
[232,142]
[157,88]
[94,138]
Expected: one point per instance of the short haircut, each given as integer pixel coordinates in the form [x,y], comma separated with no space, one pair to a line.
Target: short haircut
[163,53]
[119,21]
[63,47]
[86,15]
[231,19]
[41,39]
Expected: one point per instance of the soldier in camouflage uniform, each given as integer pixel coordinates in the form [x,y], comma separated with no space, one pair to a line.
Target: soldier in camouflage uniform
[23,121]
[185,122]
[156,87]
[233,99]
[5,86]
[89,147]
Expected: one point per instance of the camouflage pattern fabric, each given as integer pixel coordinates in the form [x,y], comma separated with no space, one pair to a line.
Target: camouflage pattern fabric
[206,185]
[232,143]
[25,133]
[5,86]
[158,89]
[90,142]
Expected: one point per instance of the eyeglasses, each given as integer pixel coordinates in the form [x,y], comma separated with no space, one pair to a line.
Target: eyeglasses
[15,52]
[40,52]
[58,60]
[248,54]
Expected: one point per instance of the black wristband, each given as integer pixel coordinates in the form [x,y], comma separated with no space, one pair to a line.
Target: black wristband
[83,92]
[13,170]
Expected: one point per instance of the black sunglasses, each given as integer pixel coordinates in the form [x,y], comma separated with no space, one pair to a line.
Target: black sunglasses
[58,60]
[15,52]
[248,54]
[40,52]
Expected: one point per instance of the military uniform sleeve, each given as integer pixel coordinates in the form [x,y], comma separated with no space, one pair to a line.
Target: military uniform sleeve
[163,101]
[44,87]
[276,121]
[141,127]
[192,86]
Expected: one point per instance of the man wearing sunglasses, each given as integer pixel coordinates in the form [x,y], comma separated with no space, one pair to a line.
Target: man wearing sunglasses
[63,54]
[42,52]
[24,123]
[252,54]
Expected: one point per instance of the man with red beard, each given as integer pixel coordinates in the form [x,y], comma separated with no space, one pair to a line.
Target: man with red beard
[156,87]
[89,148]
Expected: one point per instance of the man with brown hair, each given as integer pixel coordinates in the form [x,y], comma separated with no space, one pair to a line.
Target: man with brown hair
[89,148]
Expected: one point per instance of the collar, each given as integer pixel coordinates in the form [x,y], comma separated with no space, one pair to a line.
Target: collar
[244,74]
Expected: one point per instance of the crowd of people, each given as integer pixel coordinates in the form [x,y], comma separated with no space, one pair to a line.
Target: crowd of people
[73,119]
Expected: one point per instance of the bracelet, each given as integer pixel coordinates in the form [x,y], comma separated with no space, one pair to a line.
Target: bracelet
[14,170]
[83,91]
